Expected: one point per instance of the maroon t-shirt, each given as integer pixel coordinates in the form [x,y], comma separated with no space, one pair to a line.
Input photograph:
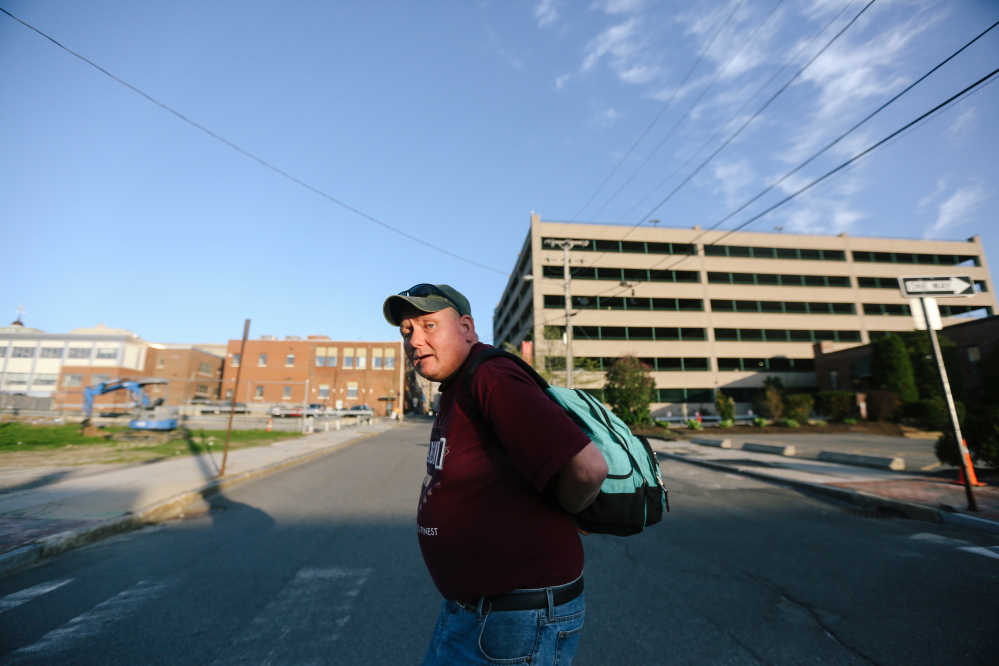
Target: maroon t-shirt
[484,523]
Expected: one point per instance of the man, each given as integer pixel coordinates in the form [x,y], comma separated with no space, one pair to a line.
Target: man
[504,475]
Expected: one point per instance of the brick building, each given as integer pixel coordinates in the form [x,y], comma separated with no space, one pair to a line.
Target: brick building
[315,370]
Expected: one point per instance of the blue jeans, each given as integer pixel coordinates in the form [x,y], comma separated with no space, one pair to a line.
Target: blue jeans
[548,636]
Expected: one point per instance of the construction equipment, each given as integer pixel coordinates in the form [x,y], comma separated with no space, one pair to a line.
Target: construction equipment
[151,421]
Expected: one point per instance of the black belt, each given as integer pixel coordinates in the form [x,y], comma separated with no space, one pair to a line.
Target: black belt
[528,599]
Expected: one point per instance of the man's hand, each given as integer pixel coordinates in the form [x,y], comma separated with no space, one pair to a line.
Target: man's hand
[578,482]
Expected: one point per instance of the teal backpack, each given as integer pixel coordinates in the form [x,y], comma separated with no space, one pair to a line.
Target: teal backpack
[633,495]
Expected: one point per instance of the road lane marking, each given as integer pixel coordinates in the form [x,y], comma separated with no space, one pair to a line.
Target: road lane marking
[303,621]
[979,550]
[16,599]
[95,620]
[939,540]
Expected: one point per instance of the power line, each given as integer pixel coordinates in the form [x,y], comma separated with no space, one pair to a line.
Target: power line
[758,112]
[655,120]
[254,157]
[690,109]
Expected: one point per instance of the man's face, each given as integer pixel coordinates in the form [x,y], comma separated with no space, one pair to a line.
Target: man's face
[437,343]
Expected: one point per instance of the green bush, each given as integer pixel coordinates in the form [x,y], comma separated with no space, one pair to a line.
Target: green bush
[726,407]
[726,423]
[932,413]
[759,422]
[837,405]
[694,424]
[882,405]
[788,423]
[818,424]
[981,432]
[891,369]
[629,390]
[797,406]
[849,421]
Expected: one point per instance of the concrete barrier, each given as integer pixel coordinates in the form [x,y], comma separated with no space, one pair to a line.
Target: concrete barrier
[769,448]
[706,441]
[880,462]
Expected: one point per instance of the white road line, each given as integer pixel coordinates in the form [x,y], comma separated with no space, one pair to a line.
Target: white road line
[18,598]
[939,540]
[978,550]
[99,618]
[301,623]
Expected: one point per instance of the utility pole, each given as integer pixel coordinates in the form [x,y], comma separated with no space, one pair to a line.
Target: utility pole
[567,244]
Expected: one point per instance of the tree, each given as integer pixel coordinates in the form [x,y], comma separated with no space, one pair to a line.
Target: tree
[924,366]
[891,368]
[629,390]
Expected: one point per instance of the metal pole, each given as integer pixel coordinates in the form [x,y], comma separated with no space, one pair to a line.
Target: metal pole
[962,450]
[232,403]
[568,315]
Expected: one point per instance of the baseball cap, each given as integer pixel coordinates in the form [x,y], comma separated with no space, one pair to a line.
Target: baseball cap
[427,298]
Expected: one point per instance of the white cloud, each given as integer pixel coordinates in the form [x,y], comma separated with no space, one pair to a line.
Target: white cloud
[954,211]
[963,125]
[605,117]
[734,177]
[621,6]
[546,12]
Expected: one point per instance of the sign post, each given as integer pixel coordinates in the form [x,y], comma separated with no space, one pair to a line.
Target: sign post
[926,288]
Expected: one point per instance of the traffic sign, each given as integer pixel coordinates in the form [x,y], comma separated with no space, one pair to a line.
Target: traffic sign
[937,285]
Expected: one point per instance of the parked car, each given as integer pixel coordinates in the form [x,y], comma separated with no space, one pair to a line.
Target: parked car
[359,408]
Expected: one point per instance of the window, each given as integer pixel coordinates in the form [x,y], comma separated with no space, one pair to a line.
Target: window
[376,358]
[687,395]
[205,368]
[201,389]
[160,362]
[262,361]
[228,394]
[45,380]
[51,352]
[235,360]
[348,357]
[22,352]
[286,394]
[362,359]
[79,352]
[258,392]
[289,361]
[99,379]
[16,378]
[321,357]
[778,335]
[72,380]
[351,388]
[390,359]
[324,392]
[107,352]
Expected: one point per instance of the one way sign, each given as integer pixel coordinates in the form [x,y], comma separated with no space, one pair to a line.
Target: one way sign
[960,285]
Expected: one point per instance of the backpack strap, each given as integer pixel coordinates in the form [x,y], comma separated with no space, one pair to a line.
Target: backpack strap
[477,360]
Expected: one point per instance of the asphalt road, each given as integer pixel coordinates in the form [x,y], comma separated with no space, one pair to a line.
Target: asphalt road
[319,564]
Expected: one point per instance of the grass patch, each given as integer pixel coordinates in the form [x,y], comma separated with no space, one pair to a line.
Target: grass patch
[63,440]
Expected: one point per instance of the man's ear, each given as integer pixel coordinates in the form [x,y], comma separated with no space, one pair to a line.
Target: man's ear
[467,325]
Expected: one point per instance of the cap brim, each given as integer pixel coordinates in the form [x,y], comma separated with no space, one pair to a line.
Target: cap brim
[392,308]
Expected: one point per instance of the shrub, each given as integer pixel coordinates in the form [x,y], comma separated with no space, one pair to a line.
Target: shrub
[882,405]
[726,423]
[837,405]
[788,423]
[849,421]
[629,390]
[759,422]
[772,403]
[694,424]
[797,406]
[726,407]
[818,424]
[981,432]
[891,369]
[932,413]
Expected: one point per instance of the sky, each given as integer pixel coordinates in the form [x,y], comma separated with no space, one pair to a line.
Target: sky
[294,163]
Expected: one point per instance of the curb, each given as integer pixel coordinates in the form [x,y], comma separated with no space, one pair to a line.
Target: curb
[162,511]
[865,500]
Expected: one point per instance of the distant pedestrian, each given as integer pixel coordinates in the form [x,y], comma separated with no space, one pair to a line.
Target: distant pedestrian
[504,475]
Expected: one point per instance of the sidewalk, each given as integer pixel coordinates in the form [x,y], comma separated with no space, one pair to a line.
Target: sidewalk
[44,511]
[917,496]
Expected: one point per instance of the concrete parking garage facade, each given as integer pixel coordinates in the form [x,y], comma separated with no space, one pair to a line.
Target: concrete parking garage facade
[714,311]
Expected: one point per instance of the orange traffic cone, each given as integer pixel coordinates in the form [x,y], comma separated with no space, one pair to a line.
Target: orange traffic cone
[971,471]
[270,424]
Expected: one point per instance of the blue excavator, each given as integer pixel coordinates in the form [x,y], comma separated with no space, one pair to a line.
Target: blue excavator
[151,420]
